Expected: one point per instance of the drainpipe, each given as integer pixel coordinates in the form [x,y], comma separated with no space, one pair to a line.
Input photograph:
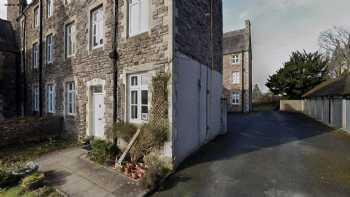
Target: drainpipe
[243,92]
[114,56]
[24,65]
[41,59]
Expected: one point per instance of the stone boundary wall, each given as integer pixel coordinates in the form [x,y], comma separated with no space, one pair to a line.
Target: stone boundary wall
[292,106]
[29,130]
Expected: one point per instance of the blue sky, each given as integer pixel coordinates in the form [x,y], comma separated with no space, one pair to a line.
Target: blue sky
[279,27]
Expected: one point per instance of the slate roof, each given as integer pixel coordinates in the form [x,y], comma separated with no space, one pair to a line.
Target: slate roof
[235,41]
[7,37]
[334,87]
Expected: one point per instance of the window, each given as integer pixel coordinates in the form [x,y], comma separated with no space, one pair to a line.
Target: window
[49,7]
[138,16]
[139,98]
[51,101]
[97,27]
[236,97]
[70,98]
[236,77]
[49,48]
[69,40]
[235,59]
[35,98]
[35,55]
[36,17]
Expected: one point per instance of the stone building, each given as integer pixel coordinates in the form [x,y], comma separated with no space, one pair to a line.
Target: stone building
[9,63]
[93,62]
[237,49]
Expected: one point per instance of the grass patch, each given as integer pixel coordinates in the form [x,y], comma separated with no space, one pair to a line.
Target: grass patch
[265,107]
[18,192]
[19,154]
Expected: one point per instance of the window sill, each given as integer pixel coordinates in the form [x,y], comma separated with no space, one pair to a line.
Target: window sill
[138,35]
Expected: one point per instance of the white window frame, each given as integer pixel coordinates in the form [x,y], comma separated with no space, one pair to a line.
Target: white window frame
[69,39]
[236,77]
[49,8]
[236,59]
[139,87]
[236,98]
[49,48]
[140,22]
[35,98]
[97,27]
[36,17]
[51,98]
[70,98]
[35,55]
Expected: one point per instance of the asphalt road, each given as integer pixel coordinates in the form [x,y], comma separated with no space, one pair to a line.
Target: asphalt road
[270,154]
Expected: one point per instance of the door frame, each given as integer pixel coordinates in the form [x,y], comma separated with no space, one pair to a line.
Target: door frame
[89,106]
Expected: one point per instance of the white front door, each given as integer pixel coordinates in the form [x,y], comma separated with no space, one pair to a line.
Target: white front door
[98,112]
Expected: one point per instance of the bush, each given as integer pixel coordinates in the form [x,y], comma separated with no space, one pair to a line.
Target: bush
[151,138]
[7,179]
[33,181]
[157,170]
[102,152]
[123,130]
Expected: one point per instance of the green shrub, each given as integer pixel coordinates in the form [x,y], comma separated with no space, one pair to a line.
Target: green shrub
[122,130]
[102,151]
[151,138]
[33,181]
[157,170]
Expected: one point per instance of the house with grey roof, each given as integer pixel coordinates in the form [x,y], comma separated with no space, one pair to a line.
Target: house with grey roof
[9,63]
[329,102]
[237,69]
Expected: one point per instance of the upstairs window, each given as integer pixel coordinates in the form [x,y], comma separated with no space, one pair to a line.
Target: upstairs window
[49,7]
[35,55]
[36,17]
[51,101]
[49,49]
[235,59]
[69,40]
[236,98]
[138,16]
[236,77]
[97,30]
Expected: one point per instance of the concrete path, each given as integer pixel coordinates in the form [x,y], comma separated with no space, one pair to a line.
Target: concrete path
[268,154]
[77,177]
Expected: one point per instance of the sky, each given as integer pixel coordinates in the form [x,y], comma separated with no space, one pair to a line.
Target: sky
[279,27]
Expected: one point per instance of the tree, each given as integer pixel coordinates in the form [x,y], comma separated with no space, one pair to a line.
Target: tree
[335,44]
[300,74]
[256,92]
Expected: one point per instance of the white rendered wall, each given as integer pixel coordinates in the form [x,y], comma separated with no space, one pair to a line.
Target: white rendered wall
[197,116]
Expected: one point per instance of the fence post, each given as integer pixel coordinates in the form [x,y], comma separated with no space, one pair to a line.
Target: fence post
[344,114]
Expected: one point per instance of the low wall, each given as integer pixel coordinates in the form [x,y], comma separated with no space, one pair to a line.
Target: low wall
[292,105]
[27,130]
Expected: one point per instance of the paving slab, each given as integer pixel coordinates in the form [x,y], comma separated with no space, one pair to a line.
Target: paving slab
[72,173]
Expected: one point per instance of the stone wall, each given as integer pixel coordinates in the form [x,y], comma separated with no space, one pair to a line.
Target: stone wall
[144,52]
[86,65]
[29,130]
[193,31]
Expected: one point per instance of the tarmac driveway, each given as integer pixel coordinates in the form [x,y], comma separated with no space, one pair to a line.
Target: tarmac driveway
[270,154]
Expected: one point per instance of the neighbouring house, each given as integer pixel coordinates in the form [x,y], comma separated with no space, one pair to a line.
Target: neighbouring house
[92,62]
[9,63]
[237,51]
[329,103]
